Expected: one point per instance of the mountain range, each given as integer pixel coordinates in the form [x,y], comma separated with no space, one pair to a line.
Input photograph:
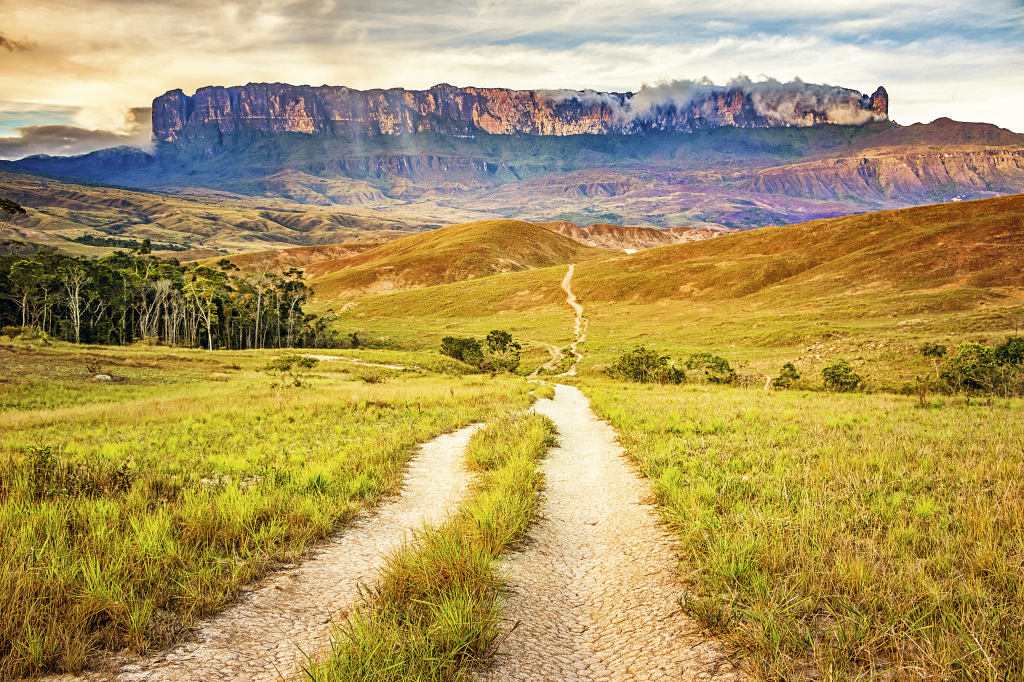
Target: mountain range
[707,158]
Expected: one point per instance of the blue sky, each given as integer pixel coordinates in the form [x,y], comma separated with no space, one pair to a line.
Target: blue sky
[85,64]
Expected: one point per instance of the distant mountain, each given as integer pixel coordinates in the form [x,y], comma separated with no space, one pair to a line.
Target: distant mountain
[699,157]
[277,108]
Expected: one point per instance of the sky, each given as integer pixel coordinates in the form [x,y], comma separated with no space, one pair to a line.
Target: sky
[79,75]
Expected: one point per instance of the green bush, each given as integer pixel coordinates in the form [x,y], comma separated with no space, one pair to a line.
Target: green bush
[839,376]
[11,332]
[715,369]
[645,366]
[467,350]
[787,378]
[974,367]
[504,351]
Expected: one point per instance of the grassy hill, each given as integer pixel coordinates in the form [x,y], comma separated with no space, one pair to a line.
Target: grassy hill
[451,254]
[869,287]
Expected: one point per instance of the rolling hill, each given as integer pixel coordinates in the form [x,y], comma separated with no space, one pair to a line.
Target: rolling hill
[451,254]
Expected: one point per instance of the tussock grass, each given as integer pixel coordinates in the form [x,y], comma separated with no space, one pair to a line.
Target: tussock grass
[122,522]
[435,610]
[841,536]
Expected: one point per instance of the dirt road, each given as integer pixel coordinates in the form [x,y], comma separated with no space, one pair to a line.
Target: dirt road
[596,590]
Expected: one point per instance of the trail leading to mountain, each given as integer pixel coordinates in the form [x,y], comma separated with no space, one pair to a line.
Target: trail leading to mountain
[264,635]
[580,329]
[596,590]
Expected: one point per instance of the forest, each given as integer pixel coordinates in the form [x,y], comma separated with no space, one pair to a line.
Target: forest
[132,296]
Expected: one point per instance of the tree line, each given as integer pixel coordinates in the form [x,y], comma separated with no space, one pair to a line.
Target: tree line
[131,296]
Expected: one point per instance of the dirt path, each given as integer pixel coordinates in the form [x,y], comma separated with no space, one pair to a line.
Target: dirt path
[580,328]
[595,591]
[340,358]
[260,637]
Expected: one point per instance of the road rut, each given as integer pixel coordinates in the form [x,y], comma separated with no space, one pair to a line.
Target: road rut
[596,590]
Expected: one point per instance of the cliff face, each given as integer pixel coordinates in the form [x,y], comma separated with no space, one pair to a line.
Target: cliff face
[911,177]
[278,108]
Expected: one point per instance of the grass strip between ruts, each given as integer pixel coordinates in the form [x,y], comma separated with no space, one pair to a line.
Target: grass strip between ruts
[434,612]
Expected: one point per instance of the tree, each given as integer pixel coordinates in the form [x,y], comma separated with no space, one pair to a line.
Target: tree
[787,378]
[9,211]
[934,351]
[504,351]
[715,369]
[839,376]
[290,369]
[645,366]
[74,278]
[971,367]
[467,350]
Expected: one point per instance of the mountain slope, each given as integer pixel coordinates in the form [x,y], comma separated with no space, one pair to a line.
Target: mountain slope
[944,256]
[450,254]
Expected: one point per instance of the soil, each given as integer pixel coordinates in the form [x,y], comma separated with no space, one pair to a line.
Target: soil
[595,593]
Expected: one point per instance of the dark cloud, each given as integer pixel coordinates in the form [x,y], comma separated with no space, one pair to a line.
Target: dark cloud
[12,45]
[65,140]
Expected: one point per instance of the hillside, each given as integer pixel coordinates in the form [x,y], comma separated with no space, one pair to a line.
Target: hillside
[942,247]
[447,255]
[302,257]
[958,261]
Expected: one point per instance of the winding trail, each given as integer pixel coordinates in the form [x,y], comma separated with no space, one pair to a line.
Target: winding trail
[263,635]
[580,328]
[595,591]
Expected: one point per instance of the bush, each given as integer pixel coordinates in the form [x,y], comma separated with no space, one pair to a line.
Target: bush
[504,351]
[11,332]
[645,366]
[787,378]
[839,376]
[716,369]
[974,367]
[467,350]
[290,369]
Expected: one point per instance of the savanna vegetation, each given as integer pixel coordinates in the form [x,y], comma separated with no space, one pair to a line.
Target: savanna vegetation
[133,507]
[840,536]
[434,612]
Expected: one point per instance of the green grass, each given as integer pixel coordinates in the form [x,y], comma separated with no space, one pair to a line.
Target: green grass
[125,519]
[435,610]
[840,536]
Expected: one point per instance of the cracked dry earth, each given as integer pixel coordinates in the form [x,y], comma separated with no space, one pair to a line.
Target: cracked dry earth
[263,635]
[595,590]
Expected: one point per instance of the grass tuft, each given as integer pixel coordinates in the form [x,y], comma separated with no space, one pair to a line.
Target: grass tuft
[434,612]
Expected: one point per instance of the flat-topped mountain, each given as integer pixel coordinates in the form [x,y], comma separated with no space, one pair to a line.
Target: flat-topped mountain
[277,108]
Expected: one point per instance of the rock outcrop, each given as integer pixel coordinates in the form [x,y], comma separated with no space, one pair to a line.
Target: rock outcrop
[273,109]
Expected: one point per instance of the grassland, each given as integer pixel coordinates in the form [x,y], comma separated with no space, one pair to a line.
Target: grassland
[435,610]
[133,508]
[840,536]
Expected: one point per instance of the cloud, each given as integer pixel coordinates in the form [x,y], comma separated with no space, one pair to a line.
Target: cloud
[16,45]
[66,140]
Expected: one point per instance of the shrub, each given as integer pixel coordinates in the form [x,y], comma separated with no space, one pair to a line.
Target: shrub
[976,367]
[290,369]
[504,351]
[788,377]
[645,366]
[467,350]
[716,369]
[839,376]
[11,332]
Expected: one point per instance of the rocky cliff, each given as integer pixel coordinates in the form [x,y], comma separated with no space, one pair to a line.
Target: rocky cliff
[272,109]
[906,176]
